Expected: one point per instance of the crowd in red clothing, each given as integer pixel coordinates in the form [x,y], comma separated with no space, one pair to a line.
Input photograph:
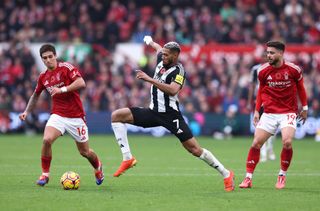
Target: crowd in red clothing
[211,86]
[186,21]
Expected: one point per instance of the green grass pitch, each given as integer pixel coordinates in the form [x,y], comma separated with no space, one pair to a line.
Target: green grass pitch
[166,176]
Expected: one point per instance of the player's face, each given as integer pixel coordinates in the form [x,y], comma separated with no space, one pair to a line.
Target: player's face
[168,57]
[274,56]
[49,59]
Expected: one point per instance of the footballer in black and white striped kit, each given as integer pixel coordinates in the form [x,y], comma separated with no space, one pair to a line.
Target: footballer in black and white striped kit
[161,101]
[166,83]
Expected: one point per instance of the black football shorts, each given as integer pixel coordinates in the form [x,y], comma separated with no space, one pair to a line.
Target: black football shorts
[171,120]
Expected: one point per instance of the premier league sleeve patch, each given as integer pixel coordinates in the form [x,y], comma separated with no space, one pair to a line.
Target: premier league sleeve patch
[179,79]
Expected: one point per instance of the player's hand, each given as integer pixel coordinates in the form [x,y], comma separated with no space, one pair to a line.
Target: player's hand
[142,75]
[23,115]
[302,116]
[256,118]
[55,91]
[147,39]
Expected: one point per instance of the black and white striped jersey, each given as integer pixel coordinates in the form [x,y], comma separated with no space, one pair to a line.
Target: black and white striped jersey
[254,77]
[160,101]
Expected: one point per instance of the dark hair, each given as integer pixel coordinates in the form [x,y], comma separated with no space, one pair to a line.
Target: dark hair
[173,46]
[47,47]
[276,44]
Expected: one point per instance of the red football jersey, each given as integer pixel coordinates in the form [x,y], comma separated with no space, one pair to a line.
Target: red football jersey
[65,104]
[278,87]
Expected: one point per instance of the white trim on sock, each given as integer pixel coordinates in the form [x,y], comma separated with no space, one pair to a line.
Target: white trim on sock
[281,172]
[249,175]
[46,174]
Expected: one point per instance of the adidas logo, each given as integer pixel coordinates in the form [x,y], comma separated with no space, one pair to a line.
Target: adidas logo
[251,162]
[179,131]
[215,166]
[269,77]
[46,83]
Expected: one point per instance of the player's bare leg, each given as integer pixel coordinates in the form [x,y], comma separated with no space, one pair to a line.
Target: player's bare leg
[49,136]
[92,157]
[118,119]
[260,137]
[287,134]
[194,148]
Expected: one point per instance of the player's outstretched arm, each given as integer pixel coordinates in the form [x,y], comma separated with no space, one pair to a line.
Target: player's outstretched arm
[30,106]
[75,85]
[148,41]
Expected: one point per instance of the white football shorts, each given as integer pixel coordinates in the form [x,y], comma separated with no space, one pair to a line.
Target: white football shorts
[271,122]
[76,127]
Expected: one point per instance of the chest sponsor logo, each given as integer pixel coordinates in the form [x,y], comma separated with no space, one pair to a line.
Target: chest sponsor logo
[279,84]
[49,88]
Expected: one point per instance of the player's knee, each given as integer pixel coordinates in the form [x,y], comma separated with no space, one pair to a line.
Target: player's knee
[257,145]
[115,116]
[195,151]
[84,153]
[47,141]
[287,143]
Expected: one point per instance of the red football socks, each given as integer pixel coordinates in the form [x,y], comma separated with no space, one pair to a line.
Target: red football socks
[286,156]
[253,159]
[45,163]
[95,163]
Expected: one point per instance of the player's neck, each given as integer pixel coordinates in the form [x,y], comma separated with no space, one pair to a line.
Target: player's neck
[278,64]
[53,68]
[169,65]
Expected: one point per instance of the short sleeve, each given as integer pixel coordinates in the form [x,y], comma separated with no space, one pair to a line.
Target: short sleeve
[178,76]
[299,75]
[74,74]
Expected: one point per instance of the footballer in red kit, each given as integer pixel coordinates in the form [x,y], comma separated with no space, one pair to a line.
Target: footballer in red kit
[279,87]
[280,84]
[66,104]
[63,81]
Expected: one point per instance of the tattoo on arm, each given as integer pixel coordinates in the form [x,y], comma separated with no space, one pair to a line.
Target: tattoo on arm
[32,102]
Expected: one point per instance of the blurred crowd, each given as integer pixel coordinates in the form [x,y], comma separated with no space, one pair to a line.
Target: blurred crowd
[187,21]
[212,85]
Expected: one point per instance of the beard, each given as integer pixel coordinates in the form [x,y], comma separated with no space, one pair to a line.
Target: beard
[273,61]
[168,65]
